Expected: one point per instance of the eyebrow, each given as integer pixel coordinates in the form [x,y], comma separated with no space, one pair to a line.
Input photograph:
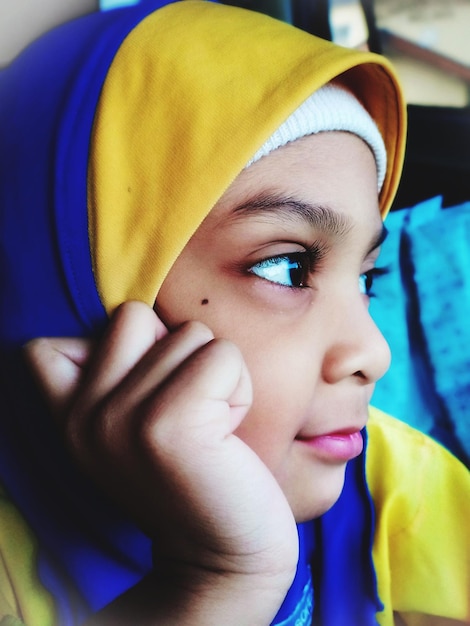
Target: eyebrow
[320,216]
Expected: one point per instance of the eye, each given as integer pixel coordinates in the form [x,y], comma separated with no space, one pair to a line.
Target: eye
[367,279]
[290,270]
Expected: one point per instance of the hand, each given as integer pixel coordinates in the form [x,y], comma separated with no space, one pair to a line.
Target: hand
[150,416]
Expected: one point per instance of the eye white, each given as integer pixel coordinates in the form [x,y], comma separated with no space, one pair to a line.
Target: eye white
[277,270]
[363,284]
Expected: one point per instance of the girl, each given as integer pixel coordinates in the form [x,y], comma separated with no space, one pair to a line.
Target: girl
[213,182]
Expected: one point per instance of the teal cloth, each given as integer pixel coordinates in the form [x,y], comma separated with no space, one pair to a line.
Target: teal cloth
[423,309]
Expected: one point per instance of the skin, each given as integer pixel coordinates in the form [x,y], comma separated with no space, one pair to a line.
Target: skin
[203,421]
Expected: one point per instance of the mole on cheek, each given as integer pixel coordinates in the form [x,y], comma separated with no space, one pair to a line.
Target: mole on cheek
[204,301]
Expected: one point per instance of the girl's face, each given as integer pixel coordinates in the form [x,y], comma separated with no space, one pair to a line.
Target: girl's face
[283,267]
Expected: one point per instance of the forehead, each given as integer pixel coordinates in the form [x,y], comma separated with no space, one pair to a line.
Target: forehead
[333,169]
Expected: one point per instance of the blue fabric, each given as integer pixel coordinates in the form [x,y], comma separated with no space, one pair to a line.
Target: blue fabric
[297,608]
[89,553]
[335,575]
[422,307]
[343,556]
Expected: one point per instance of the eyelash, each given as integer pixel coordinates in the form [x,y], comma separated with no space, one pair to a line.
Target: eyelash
[305,263]
[370,276]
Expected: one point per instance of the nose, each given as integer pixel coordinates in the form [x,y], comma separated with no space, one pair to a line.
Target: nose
[357,350]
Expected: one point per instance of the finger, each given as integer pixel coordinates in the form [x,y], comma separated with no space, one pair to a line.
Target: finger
[209,395]
[121,412]
[57,365]
[185,381]
[133,330]
[161,361]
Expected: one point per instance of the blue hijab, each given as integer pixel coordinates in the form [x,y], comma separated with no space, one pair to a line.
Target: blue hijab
[89,552]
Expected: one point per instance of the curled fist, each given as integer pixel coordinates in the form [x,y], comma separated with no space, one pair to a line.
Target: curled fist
[150,416]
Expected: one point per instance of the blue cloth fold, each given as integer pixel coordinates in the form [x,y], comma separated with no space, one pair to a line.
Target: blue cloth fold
[335,582]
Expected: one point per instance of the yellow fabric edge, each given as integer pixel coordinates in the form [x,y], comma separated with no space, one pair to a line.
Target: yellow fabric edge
[422,541]
[9,620]
[22,596]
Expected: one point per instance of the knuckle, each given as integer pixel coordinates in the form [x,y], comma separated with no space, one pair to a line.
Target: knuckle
[197,330]
[224,350]
[34,344]
[90,432]
[133,315]
[131,308]
[35,349]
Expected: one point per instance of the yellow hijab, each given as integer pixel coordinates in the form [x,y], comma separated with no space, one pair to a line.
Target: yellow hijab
[194,90]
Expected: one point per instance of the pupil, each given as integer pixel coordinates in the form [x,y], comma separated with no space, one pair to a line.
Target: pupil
[296,273]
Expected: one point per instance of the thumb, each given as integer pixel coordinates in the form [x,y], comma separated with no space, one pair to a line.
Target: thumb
[57,365]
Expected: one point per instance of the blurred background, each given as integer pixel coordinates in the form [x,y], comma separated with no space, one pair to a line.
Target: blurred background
[428,40]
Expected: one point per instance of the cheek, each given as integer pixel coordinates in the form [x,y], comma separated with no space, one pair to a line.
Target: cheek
[283,357]
[284,383]
[176,304]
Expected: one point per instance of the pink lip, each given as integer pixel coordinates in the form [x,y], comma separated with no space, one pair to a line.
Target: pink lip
[338,446]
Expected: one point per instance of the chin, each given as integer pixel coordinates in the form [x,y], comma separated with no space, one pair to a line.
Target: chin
[317,496]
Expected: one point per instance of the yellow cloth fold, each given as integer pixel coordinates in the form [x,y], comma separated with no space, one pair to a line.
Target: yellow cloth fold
[9,620]
[422,540]
[194,90]
[22,596]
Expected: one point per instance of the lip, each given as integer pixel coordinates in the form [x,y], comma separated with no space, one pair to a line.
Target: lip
[338,446]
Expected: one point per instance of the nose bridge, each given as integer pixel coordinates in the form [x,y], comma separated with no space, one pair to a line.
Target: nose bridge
[356,347]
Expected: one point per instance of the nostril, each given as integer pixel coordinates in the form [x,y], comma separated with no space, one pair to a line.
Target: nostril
[360,375]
